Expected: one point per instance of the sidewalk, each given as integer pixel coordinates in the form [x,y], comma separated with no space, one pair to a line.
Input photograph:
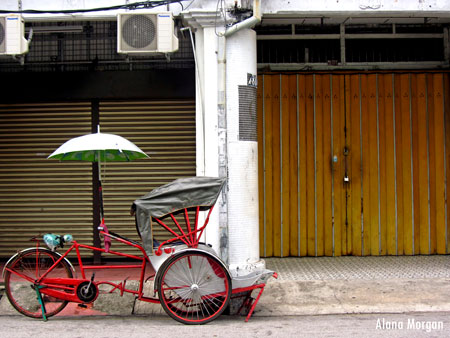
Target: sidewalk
[341,285]
[324,285]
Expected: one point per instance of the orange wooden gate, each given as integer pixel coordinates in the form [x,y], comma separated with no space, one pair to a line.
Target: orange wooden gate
[353,164]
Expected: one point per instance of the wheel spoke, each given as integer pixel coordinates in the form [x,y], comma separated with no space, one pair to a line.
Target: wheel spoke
[175,288]
[21,274]
[189,262]
[194,288]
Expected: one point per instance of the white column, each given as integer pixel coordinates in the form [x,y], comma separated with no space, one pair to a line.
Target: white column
[243,215]
[240,236]
[206,119]
[203,24]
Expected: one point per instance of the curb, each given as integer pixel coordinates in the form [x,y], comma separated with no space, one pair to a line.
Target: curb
[293,298]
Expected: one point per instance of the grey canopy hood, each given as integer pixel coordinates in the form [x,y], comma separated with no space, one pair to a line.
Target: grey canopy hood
[174,196]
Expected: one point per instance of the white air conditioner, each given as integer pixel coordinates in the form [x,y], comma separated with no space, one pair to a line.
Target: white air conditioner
[143,33]
[12,35]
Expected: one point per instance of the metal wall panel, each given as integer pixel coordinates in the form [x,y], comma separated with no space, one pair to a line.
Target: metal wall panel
[165,130]
[37,195]
[40,196]
[385,132]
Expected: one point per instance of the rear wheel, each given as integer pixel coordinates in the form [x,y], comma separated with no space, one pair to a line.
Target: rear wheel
[194,287]
[20,275]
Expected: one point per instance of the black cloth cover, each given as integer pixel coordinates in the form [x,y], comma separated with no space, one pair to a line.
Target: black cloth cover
[172,197]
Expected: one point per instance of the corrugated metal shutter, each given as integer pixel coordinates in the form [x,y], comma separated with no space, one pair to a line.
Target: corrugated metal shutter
[165,130]
[37,195]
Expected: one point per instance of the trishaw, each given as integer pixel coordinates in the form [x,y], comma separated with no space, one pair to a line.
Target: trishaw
[192,283]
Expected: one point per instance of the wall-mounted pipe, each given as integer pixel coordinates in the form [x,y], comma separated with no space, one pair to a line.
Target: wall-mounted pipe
[247,23]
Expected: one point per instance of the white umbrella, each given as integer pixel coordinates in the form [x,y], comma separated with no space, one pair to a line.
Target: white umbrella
[98,147]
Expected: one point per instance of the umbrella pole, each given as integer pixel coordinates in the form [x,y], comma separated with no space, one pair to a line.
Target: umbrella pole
[97,211]
[100,189]
[100,193]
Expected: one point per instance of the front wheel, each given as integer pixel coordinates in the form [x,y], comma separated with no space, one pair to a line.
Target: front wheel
[194,287]
[20,275]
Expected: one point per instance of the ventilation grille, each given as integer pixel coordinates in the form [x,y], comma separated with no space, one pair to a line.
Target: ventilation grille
[247,113]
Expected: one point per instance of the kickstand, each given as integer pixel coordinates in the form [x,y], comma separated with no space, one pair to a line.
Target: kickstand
[134,304]
[41,302]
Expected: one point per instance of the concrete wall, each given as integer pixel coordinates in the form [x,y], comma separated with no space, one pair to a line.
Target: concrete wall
[362,6]
[269,7]
[338,6]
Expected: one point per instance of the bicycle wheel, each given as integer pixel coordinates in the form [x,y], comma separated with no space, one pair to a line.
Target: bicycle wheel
[28,266]
[194,288]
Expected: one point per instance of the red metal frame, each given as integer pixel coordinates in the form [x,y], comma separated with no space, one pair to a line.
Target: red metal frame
[249,301]
[66,288]
[191,238]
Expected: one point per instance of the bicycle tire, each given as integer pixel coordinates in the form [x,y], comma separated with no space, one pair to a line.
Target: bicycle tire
[33,263]
[194,287]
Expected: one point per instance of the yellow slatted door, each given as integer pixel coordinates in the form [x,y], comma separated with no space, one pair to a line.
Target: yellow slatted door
[265,178]
[381,182]
[437,168]
[388,221]
[285,143]
[420,164]
[388,133]
[310,219]
[319,158]
[261,164]
[370,170]
[294,205]
[302,166]
[276,167]
[353,97]
[301,128]
[342,233]
[165,130]
[38,195]
[398,168]
[446,89]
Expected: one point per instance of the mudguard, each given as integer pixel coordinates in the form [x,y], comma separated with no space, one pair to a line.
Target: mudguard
[30,249]
[178,253]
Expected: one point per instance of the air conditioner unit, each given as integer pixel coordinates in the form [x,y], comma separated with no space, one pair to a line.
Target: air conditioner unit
[12,31]
[143,33]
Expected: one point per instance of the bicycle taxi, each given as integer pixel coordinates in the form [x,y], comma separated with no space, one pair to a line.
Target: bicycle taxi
[193,284]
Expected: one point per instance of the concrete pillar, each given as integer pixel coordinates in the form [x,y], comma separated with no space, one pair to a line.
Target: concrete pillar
[233,228]
[243,215]
[207,141]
